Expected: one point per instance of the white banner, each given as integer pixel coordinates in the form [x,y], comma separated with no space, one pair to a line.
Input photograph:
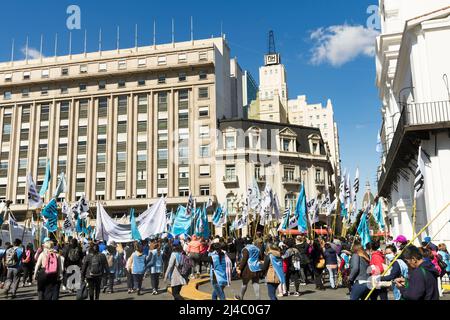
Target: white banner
[150,223]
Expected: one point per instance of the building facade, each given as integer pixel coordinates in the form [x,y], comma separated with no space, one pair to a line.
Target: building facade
[412,77]
[315,115]
[282,156]
[126,126]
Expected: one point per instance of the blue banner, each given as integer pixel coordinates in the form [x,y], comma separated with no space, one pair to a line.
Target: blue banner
[300,211]
[46,182]
[182,223]
[50,213]
[134,230]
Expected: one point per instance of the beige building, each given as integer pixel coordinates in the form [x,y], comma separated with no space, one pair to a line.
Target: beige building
[126,126]
[315,115]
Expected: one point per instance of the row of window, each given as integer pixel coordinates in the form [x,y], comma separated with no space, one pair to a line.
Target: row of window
[203,92]
[103,66]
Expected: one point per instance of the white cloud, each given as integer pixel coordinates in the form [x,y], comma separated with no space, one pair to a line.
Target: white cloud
[340,44]
[32,53]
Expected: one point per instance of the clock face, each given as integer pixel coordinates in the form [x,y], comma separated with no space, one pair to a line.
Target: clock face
[272,59]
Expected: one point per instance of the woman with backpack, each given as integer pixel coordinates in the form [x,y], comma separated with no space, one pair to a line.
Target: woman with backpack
[112,259]
[331,262]
[293,267]
[220,270]
[137,267]
[318,262]
[177,281]
[28,265]
[47,272]
[359,263]
[94,267]
[273,267]
[156,267]
[73,256]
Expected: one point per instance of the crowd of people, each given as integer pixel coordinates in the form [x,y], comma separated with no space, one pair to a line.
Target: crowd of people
[283,263]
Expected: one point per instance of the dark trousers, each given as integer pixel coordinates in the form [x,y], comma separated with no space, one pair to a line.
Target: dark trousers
[137,280]
[27,273]
[176,292]
[382,293]
[359,291]
[129,280]
[272,290]
[94,285]
[304,272]
[108,281]
[294,276]
[155,281]
[318,278]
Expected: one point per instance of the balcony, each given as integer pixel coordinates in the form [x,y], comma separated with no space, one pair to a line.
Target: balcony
[415,121]
[320,183]
[230,180]
[291,181]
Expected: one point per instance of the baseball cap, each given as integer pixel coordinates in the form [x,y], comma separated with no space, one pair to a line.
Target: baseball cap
[401,239]
[427,239]
[176,243]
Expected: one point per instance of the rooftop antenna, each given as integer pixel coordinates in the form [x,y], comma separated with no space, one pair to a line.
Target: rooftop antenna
[272,49]
[56,46]
[41,47]
[154,34]
[70,45]
[100,41]
[118,39]
[136,37]
[192,30]
[85,42]
[12,51]
[173,32]
[26,51]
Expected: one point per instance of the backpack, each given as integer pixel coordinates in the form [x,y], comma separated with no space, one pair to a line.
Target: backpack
[96,269]
[184,266]
[296,260]
[51,264]
[110,259]
[11,258]
[74,255]
[442,265]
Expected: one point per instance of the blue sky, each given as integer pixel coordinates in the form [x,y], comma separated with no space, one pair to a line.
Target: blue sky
[345,74]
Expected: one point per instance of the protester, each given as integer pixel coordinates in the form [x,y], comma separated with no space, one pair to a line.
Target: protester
[318,261]
[112,259]
[377,269]
[399,269]
[28,265]
[174,270]
[445,257]
[128,252]
[293,268]
[156,267]
[137,266]
[331,262]
[359,264]
[73,256]
[220,270]
[274,271]
[13,263]
[48,272]
[422,279]
[249,269]
[304,248]
[194,249]
[93,270]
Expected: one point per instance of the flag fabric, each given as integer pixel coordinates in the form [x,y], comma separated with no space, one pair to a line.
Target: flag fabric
[419,181]
[61,186]
[34,199]
[75,210]
[300,211]
[276,206]
[50,213]
[379,148]
[135,235]
[286,218]
[209,204]
[33,226]
[46,182]
[83,207]
[253,195]
[342,194]
[378,214]
[348,194]
[68,226]
[331,207]
[65,208]
[219,217]
[12,221]
[356,184]
[190,206]
[363,228]
[2,212]
[182,223]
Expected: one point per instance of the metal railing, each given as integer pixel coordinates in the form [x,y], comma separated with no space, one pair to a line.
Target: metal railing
[415,116]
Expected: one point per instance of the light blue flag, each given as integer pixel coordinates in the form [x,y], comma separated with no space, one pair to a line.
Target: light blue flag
[46,182]
[363,230]
[378,215]
[206,232]
[217,215]
[300,211]
[182,223]
[344,211]
[201,226]
[50,213]
[135,234]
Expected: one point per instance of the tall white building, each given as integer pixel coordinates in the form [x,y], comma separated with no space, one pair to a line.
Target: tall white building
[413,68]
[315,115]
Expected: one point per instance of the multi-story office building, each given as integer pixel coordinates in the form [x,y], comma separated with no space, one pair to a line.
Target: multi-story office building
[315,115]
[282,156]
[412,76]
[126,126]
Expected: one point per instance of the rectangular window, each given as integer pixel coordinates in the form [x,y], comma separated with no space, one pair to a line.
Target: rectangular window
[230,172]
[182,77]
[203,93]
[122,64]
[202,75]
[64,90]
[204,151]
[83,86]
[121,176]
[161,79]
[229,143]
[25,93]
[44,91]
[205,171]
[163,154]
[286,144]
[162,60]
[102,85]
[183,192]
[102,67]
[45,73]
[64,71]
[289,174]
[121,84]
[121,156]
[142,62]
[204,131]
[8,77]
[141,82]
[204,191]
[203,56]
[182,57]
[83,68]
[26,75]
[203,112]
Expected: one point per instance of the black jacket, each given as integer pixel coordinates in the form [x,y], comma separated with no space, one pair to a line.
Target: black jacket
[422,283]
[86,269]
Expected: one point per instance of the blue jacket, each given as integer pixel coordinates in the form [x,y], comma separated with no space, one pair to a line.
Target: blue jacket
[156,262]
[139,263]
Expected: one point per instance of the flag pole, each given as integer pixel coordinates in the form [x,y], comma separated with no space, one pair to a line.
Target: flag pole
[408,244]
[414,217]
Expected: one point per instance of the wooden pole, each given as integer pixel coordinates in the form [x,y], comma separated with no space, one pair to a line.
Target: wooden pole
[414,217]
[408,244]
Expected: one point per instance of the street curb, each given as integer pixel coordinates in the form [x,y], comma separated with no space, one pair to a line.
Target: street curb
[191,291]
